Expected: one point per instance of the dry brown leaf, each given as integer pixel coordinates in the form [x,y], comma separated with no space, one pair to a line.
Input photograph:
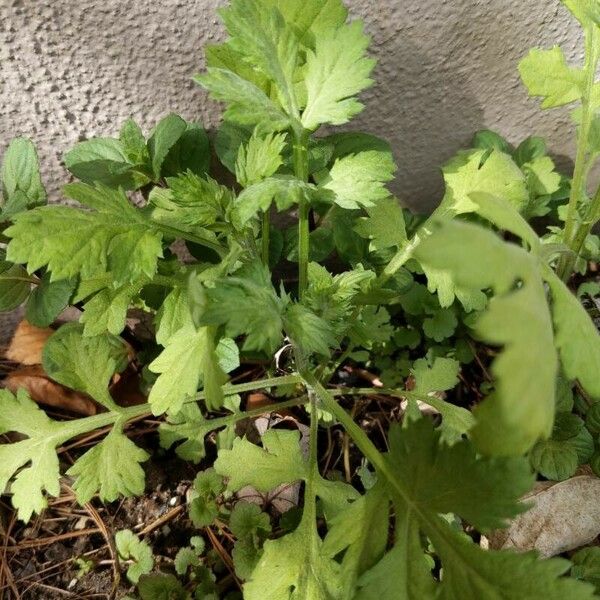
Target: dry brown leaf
[564,516]
[27,343]
[45,391]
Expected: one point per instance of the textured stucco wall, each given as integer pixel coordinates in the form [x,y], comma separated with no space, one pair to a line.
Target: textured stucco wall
[70,69]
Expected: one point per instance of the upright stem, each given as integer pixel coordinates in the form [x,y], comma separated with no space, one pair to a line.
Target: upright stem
[301,172]
[578,188]
[266,237]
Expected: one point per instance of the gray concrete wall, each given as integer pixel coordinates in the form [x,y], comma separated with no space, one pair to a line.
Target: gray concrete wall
[71,69]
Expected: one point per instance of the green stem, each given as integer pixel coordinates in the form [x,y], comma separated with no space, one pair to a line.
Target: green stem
[361,439]
[585,227]
[300,152]
[230,390]
[32,280]
[578,187]
[266,237]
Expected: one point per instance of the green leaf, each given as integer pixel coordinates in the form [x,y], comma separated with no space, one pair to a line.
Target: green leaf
[471,171]
[246,303]
[114,237]
[440,376]
[48,300]
[130,547]
[133,143]
[103,161]
[184,559]
[576,336]
[279,461]
[555,460]
[587,12]
[247,520]
[20,414]
[336,71]
[20,176]
[203,507]
[191,153]
[384,226]
[166,134]
[437,479]
[487,139]
[107,310]
[359,179]
[259,158]
[361,531]
[294,562]
[546,74]
[190,357]
[586,565]
[521,409]
[308,331]
[312,19]
[67,357]
[161,586]
[542,178]
[14,286]
[190,202]
[441,325]
[247,104]
[284,190]
[111,468]
[174,314]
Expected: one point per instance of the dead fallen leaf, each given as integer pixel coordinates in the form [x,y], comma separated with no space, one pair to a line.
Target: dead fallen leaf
[564,516]
[27,343]
[43,390]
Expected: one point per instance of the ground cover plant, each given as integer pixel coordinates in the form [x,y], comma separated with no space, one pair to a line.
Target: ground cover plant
[306,269]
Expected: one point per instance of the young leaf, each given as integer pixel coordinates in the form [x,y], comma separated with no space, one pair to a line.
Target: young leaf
[67,357]
[21,183]
[130,547]
[111,468]
[576,337]
[545,73]
[114,237]
[259,158]
[521,409]
[336,71]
